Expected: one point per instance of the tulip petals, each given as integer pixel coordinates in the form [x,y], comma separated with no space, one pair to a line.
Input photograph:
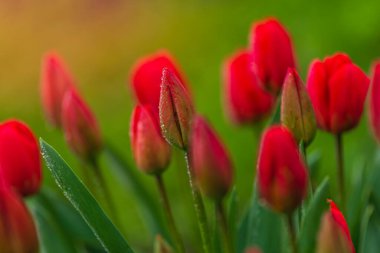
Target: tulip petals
[374,101]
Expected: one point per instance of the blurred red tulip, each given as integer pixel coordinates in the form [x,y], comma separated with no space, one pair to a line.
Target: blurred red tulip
[210,163]
[282,176]
[81,129]
[246,101]
[337,90]
[253,250]
[374,101]
[17,231]
[55,81]
[272,53]
[20,162]
[151,151]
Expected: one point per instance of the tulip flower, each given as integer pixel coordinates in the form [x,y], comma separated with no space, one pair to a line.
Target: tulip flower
[334,235]
[272,53]
[20,162]
[374,101]
[253,250]
[55,81]
[81,129]
[296,110]
[246,101]
[17,231]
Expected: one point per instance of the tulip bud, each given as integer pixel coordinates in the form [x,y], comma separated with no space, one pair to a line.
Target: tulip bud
[296,110]
[246,101]
[253,250]
[374,101]
[272,53]
[161,246]
[146,77]
[334,235]
[17,231]
[210,163]
[80,127]
[175,109]
[20,162]
[337,90]
[282,176]
[151,151]
[55,81]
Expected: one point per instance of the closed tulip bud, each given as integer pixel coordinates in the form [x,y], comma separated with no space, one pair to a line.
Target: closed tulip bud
[210,163]
[253,250]
[20,162]
[246,101]
[296,110]
[282,176]
[161,246]
[81,129]
[151,151]
[337,90]
[176,110]
[374,101]
[334,235]
[17,231]
[272,53]
[146,77]
[55,81]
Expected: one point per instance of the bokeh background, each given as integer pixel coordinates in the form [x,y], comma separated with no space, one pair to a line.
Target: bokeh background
[100,40]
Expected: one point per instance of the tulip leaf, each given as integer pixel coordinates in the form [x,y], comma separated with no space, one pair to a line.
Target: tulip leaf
[78,195]
[366,238]
[312,218]
[276,116]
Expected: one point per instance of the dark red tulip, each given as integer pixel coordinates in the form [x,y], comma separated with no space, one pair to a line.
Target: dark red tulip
[246,101]
[151,151]
[282,175]
[81,129]
[210,162]
[20,162]
[374,101]
[272,53]
[337,90]
[55,81]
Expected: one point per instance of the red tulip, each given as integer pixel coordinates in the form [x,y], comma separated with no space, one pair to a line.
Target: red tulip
[374,101]
[151,151]
[146,77]
[246,101]
[20,162]
[81,129]
[337,90]
[55,81]
[272,53]
[253,250]
[17,231]
[282,176]
[210,163]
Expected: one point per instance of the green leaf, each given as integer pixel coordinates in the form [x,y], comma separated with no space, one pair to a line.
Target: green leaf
[276,116]
[232,209]
[312,218]
[73,189]
[364,236]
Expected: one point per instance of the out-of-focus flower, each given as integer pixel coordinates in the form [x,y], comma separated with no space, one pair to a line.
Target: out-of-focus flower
[161,246]
[246,101]
[151,151]
[296,110]
[55,81]
[210,163]
[253,250]
[175,109]
[20,162]
[334,235]
[282,176]
[374,101]
[81,129]
[272,53]
[337,90]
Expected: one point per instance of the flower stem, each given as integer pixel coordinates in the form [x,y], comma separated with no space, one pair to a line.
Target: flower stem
[200,210]
[224,226]
[292,232]
[340,169]
[168,211]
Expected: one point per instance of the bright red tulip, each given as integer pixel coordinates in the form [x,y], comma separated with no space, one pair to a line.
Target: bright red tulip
[146,77]
[210,162]
[272,53]
[282,176]
[20,162]
[151,151]
[81,129]
[55,81]
[246,101]
[17,231]
[337,90]
[374,101]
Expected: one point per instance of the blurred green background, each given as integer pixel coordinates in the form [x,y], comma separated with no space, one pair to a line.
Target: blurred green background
[100,41]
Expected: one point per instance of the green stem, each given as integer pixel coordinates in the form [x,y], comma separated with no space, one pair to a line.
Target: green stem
[292,232]
[340,169]
[200,210]
[224,226]
[169,214]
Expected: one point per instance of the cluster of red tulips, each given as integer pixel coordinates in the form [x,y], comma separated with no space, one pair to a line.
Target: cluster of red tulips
[259,81]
